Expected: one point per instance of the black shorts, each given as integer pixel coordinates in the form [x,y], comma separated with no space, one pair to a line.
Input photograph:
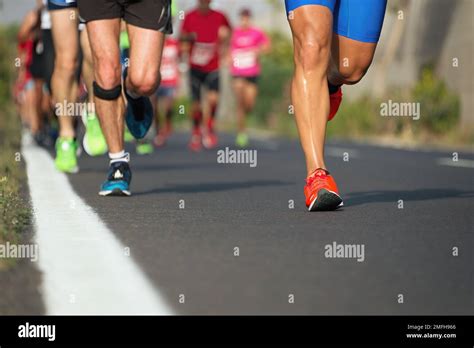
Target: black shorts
[60,4]
[148,14]
[42,65]
[251,79]
[199,78]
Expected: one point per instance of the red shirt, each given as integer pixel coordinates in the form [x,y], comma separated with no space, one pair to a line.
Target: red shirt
[204,53]
[169,63]
[26,48]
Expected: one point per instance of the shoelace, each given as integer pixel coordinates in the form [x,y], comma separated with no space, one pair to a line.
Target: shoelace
[319,176]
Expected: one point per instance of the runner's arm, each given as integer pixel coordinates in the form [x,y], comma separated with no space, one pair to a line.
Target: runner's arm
[27,25]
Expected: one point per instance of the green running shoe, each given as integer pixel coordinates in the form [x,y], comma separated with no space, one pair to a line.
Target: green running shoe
[144,147]
[128,137]
[94,142]
[242,140]
[66,158]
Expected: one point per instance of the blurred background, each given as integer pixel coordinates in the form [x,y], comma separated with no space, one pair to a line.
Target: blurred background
[425,55]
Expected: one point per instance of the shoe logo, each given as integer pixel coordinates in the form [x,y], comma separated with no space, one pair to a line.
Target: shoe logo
[118,174]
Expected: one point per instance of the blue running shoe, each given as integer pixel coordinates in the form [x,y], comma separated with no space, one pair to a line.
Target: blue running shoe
[118,180]
[139,113]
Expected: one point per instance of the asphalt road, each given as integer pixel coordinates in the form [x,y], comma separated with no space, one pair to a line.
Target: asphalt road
[191,251]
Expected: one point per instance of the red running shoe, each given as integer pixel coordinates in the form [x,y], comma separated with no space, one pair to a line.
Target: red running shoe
[321,191]
[210,140]
[195,144]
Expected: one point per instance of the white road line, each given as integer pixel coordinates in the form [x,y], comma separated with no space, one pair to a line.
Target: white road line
[448,161]
[85,267]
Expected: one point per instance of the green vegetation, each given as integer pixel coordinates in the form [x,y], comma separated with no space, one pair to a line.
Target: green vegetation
[361,118]
[438,122]
[14,209]
[437,101]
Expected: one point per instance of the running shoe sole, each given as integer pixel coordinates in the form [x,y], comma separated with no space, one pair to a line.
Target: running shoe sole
[73,170]
[326,200]
[115,192]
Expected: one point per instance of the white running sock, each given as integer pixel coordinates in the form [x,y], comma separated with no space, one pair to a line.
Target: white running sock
[121,156]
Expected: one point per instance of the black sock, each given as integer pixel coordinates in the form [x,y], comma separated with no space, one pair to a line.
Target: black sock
[169,115]
[333,88]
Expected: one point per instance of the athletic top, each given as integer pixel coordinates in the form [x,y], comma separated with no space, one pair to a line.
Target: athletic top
[45,17]
[244,47]
[204,55]
[169,63]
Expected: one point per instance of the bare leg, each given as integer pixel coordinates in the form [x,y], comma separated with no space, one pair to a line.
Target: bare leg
[37,114]
[168,104]
[104,41]
[64,30]
[250,95]
[87,67]
[238,85]
[196,113]
[146,47]
[212,101]
[350,60]
[155,101]
[312,33]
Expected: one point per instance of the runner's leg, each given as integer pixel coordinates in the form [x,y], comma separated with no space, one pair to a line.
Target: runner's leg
[196,80]
[238,86]
[103,37]
[212,98]
[87,65]
[353,46]
[250,96]
[146,46]
[356,33]
[65,38]
[312,32]
[350,60]
[94,142]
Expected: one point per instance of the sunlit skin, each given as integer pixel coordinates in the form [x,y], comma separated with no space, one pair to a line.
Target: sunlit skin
[143,77]
[319,56]
[87,67]
[162,106]
[63,82]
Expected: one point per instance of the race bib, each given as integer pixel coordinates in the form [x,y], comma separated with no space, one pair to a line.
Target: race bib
[168,73]
[244,59]
[202,53]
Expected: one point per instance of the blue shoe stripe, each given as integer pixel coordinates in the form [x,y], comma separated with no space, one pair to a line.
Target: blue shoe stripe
[112,185]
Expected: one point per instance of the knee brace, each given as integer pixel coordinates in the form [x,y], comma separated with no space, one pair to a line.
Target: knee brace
[107,94]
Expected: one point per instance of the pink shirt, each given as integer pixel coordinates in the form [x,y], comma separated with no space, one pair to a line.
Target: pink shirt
[243,48]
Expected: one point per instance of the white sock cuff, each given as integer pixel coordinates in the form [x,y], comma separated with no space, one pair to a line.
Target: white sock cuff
[121,156]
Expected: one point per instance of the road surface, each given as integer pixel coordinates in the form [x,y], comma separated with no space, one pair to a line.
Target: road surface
[217,238]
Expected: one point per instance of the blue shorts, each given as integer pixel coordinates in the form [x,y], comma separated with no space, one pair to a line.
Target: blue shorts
[163,92]
[61,4]
[359,20]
